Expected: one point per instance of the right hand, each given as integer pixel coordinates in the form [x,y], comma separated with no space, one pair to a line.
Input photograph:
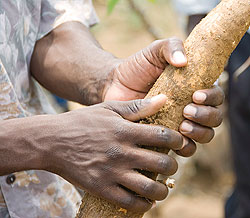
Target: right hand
[97,148]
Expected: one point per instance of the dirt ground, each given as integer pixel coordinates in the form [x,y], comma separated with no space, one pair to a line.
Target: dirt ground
[206,179]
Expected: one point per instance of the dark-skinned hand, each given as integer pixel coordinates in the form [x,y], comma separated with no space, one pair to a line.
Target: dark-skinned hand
[102,146]
[133,77]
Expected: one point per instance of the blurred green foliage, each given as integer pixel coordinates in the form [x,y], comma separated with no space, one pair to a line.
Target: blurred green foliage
[112,3]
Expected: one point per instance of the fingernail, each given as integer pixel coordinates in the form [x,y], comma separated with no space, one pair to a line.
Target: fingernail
[200,97]
[186,127]
[190,111]
[185,142]
[154,205]
[158,97]
[179,57]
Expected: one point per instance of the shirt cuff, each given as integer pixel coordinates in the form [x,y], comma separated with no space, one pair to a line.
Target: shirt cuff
[56,13]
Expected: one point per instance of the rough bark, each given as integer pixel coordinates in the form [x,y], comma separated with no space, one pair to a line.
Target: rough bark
[208,48]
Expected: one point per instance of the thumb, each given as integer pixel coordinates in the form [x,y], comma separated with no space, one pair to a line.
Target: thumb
[141,108]
[171,51]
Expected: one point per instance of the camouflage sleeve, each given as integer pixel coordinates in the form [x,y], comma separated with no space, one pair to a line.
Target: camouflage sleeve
[56,12]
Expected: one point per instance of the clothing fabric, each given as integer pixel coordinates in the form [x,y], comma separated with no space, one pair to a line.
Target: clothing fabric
[32,194]
[239,115]
[193,7]
[237,205]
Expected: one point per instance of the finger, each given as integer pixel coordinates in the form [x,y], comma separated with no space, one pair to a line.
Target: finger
[153,161]
[138,109]
[158,136]
[127,200]
[144,186]
[174,52]
[204,115]
[196,132]
[188,150]
[213,97]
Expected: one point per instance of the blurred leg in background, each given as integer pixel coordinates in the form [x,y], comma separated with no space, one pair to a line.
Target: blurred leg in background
[238,204]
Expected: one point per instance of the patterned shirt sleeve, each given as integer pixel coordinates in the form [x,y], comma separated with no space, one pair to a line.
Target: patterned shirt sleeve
[56,12]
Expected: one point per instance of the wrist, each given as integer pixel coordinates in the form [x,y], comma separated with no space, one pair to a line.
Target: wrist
[93,90]
[20,145]
[110,76]
[47,136]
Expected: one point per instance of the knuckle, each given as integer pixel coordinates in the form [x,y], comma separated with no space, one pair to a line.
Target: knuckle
[178,142]
[106,105]
[127,202]
[206,135]
[219,118]
[221,98]
[135,106]
[163,194]
[208,116]
[144,206]
[167,166]
[123,130]
[188,149]
[164,134]
[211,134]
[167,42]
[162,191]
[204,113]
[156,44]
[170,138]
[219,92]
[164,42]
[216,96]
[158,41]
[149,188]
[212,117]
[114,152]
[175,43]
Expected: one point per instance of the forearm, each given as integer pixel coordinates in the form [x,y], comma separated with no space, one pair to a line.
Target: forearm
[20,144]
[70,63]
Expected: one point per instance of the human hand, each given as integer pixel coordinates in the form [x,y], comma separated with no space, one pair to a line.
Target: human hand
[132,78]
[96,148]
[201,116]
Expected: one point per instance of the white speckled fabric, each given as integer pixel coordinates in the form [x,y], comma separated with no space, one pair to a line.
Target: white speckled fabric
[192,7]
[32,194]
[189,7]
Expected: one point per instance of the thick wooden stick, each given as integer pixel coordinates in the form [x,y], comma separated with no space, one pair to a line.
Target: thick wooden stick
[208,48]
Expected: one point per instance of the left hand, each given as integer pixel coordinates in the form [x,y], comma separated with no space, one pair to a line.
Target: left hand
[201,116]
[133,77]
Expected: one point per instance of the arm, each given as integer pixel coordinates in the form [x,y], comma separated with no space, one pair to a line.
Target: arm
[98,148]
[95,148]
[74,66]
[70,63]
[19,147]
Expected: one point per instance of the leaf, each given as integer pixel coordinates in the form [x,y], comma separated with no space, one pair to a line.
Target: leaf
[152,1]
[111,5]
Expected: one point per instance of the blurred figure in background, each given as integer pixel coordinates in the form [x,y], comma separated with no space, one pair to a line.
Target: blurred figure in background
[238,68]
